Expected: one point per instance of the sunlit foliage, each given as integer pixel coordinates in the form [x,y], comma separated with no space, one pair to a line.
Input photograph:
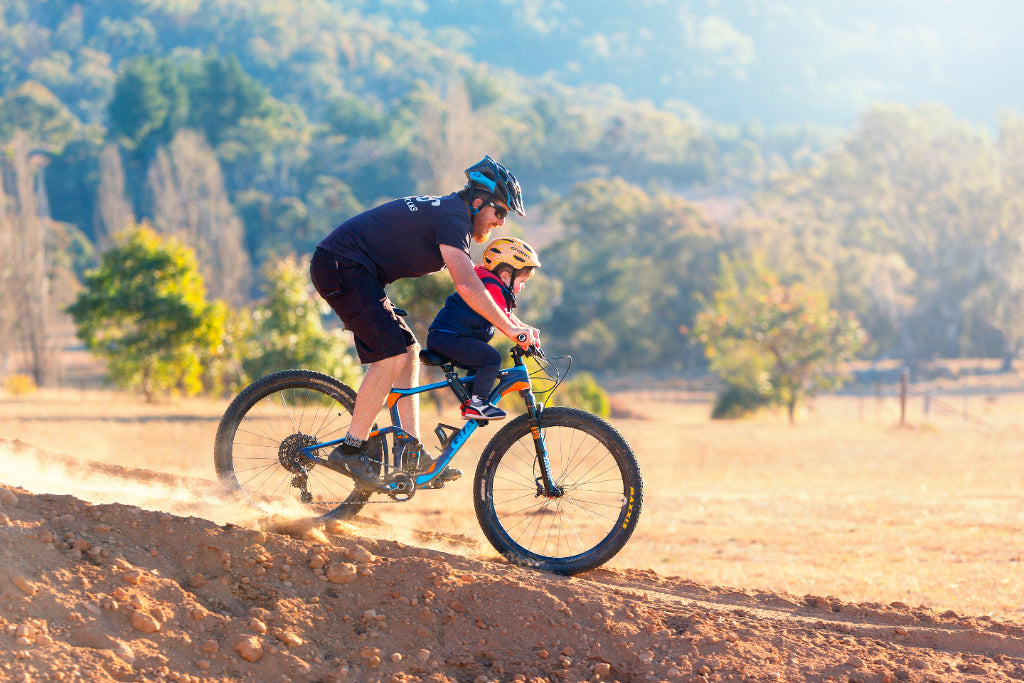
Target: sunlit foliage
[144,310]
[774,341]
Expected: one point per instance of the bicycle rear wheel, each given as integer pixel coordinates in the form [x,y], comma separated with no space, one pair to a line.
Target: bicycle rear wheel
[580,529]
[259,439]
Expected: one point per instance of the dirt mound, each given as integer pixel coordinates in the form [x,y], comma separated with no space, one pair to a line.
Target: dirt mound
[107,591]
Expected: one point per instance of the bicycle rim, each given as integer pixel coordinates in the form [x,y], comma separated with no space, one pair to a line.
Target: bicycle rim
[578,530]
[262,432]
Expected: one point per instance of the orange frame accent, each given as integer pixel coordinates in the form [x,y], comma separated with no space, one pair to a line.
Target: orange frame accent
[518,386]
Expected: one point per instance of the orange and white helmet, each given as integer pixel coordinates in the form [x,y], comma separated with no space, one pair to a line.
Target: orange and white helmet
[512,251]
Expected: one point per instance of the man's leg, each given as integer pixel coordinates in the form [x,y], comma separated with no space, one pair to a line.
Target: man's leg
[374,390]
[409,377]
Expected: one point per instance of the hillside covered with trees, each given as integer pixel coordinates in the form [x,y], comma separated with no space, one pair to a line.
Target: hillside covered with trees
[247,130]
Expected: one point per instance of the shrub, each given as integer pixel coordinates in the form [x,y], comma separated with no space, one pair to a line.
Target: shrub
[582,391]
[19,385]
[734,402]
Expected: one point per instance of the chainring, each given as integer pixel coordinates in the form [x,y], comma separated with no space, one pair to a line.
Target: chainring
[400,486]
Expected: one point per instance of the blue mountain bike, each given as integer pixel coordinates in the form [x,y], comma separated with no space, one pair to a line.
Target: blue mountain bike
[556,488]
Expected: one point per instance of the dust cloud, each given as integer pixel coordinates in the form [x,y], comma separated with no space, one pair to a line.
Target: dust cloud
[98,483]
[41,472]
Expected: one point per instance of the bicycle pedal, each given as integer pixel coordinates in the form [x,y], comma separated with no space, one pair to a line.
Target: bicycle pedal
[409,452]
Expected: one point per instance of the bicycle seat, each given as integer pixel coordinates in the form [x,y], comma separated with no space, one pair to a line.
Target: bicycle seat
[428,357]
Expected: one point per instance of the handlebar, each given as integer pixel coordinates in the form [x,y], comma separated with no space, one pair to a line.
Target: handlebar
[531,350]
[519,351]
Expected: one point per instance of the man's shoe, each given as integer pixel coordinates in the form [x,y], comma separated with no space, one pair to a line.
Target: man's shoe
[478,410]
[449,474]
[356,464]
[425,462]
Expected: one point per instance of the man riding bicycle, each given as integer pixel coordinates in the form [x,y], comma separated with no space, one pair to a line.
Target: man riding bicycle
[408,237]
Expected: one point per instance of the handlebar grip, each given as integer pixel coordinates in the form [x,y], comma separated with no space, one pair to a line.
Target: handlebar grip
[522,338]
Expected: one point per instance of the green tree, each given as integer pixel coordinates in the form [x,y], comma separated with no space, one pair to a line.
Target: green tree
[781,343]
[287,330]
[144,310]
[355,117]
[1000,300]
[422,298]
[628,263]
[898,224]
[46,120]
[149,104]
[221,94]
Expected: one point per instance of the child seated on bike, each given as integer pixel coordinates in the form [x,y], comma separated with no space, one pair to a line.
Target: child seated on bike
[462,334]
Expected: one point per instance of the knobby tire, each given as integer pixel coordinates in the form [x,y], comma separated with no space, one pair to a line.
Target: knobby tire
[577,531]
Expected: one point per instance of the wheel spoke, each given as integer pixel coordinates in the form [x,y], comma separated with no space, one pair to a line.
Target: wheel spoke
[583,525]
[261,439]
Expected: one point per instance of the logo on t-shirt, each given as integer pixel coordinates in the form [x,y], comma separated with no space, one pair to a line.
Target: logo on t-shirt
[410,202]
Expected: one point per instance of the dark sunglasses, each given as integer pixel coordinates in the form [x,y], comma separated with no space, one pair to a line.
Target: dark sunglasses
[499,211]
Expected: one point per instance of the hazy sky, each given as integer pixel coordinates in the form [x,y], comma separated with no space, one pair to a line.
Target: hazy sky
[822,60]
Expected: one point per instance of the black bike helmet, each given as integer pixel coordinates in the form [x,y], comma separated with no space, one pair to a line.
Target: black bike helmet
[491,176]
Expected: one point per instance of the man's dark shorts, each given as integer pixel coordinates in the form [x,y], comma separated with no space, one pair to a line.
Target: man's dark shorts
[359,299]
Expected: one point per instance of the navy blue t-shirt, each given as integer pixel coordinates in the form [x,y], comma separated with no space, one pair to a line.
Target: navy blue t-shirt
[402,238]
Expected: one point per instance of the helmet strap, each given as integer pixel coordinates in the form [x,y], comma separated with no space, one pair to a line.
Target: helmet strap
[474,210]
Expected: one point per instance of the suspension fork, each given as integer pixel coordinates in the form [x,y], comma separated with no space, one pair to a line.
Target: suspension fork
[545,482]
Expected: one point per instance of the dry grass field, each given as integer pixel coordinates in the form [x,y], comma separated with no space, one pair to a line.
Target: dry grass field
[844,503]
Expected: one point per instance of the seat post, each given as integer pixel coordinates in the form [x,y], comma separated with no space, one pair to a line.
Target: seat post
[447,365]
[455,382]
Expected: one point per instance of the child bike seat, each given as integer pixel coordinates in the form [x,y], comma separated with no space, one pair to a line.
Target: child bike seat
[428,357]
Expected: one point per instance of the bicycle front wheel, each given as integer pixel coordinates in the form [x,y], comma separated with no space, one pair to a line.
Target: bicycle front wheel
[591,518]
[259,442]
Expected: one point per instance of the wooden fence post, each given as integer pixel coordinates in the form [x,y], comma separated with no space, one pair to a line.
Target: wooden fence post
[904,382]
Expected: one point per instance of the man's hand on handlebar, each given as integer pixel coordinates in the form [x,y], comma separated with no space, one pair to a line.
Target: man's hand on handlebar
[522,336]
[529,341]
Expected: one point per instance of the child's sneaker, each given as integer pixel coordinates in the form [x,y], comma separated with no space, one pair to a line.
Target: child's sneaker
[476,409]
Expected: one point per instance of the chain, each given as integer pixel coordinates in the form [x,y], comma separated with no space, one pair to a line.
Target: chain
[409,446]
[334,504]
[387,499]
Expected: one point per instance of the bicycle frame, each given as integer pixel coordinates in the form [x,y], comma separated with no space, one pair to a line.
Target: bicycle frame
[516,378]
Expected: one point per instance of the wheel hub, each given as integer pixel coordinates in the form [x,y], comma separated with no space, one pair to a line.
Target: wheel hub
[290,454]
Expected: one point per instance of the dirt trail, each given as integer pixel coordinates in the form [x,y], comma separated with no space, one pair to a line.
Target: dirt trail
[169,590]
